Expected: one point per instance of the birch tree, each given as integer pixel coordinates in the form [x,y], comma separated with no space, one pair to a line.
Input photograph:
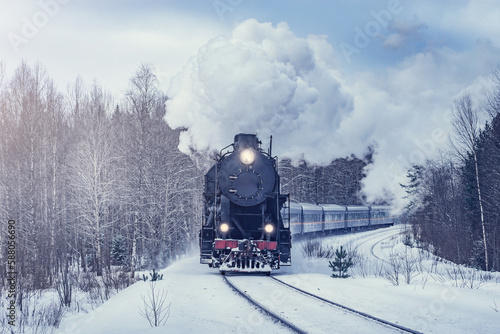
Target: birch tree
[466,131]
[91,175]
[142,99]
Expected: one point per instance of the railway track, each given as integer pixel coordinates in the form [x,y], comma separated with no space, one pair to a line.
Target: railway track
[372,249]
[375,238]
[304,312]
[267,310]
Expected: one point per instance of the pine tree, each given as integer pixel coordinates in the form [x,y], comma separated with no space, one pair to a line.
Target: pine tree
[119,251]
[413,188]
[341,263]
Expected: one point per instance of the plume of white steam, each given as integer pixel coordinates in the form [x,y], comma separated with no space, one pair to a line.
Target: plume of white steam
[265,80]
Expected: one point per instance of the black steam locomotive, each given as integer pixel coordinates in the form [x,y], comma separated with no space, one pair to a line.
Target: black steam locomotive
[243,229]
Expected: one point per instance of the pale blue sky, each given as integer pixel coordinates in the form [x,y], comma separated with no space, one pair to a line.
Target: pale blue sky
[394,67]
[107,40]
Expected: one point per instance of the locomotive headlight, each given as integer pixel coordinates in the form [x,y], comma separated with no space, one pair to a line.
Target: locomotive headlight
[269,228]
[224,227]
[247,156]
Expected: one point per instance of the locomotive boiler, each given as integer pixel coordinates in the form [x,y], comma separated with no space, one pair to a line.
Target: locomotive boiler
[243,229]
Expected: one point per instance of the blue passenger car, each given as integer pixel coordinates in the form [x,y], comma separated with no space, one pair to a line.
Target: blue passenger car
[295,218]
[381,215]
[357,216]
[334,216]
[310,218]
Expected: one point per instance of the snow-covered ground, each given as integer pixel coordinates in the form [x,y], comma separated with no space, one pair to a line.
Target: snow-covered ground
[434,302]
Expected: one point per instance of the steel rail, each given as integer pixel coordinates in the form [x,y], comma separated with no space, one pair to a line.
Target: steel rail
[263,308]
[363,314]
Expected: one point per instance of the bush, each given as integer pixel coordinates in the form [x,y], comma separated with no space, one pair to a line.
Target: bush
[155,309]
[314,248]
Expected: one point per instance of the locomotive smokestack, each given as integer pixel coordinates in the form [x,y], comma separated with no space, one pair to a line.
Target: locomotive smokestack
[270,145]
[245,140]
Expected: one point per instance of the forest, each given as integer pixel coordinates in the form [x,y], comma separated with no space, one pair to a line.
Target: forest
[94,183]
[454,206]
[91,183]
[97,189]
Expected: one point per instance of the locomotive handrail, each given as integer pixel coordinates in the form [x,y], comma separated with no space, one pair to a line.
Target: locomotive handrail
[220,155]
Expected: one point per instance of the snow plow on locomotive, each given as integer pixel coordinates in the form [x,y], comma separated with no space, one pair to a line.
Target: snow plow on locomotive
[243,230]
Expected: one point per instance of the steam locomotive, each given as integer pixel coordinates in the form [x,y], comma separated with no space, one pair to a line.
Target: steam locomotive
[248,223]
[243,229]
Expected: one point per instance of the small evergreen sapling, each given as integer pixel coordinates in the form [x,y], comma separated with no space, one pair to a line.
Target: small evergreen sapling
[341,263]
[154,276]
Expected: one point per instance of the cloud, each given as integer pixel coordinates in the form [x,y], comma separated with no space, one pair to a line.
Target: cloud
[260,79]
[406,110]
[471,20]
[403,32]
[264,79]
[104,40]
